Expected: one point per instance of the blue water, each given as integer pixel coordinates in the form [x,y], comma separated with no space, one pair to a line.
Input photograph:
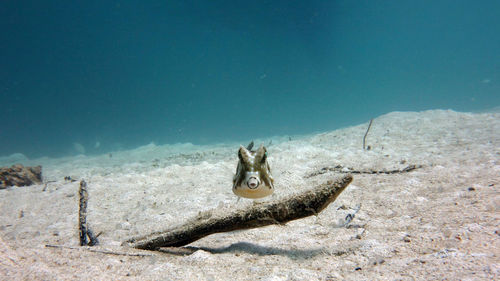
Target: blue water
[118,74]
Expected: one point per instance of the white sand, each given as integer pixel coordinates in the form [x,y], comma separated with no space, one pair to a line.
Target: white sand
[423,225]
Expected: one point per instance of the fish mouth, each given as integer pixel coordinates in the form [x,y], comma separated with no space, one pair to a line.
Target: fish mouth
[253,183]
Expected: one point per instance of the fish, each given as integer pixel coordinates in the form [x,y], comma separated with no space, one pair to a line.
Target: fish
[253,177]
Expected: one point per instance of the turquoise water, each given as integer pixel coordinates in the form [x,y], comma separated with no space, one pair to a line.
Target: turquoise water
[111,75]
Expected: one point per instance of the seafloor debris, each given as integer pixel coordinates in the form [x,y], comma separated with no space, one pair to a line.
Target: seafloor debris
[84,229]
[18,175]
[297,206]
[348,170]
[364,137]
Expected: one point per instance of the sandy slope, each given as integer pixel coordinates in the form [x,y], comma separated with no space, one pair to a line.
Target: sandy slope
[441,221]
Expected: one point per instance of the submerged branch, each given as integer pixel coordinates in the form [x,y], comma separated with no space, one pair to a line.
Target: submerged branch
[343,170]
[364,137]
[281,211]
[102,251]
[84,229]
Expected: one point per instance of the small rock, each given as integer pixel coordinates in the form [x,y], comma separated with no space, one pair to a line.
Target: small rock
[199,255]
[407,238]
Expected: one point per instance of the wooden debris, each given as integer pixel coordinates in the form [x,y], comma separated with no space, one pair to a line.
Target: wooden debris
[102,251]
[343,170]
[364,137]
[281,211]
[82,218]
[47,185]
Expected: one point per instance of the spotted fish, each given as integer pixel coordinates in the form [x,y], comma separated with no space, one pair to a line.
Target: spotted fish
[253,177]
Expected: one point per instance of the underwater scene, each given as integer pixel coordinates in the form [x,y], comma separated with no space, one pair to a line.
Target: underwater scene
[91,77]
[250,140]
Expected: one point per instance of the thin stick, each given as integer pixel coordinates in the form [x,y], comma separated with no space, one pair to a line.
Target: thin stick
[84,230]
[108,252]
[93,238]
[82,213]
[368,129]
[46,185]
[280,212]
[342,170]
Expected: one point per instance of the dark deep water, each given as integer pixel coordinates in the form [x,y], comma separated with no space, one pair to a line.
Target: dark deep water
[126,73]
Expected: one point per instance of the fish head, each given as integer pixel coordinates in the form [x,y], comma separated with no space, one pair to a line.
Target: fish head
[253,174]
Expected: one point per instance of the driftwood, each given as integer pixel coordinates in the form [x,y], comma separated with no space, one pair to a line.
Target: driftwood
[276,212]
[343,170]
[101,251]
[84,230]
[364,137]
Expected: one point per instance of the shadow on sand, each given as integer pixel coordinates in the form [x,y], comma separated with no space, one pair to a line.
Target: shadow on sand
[249,248]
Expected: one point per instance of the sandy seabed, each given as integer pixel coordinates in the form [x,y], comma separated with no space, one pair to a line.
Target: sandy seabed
[438,222]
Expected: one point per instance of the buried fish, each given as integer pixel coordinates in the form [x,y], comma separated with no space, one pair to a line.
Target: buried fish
[253,175]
